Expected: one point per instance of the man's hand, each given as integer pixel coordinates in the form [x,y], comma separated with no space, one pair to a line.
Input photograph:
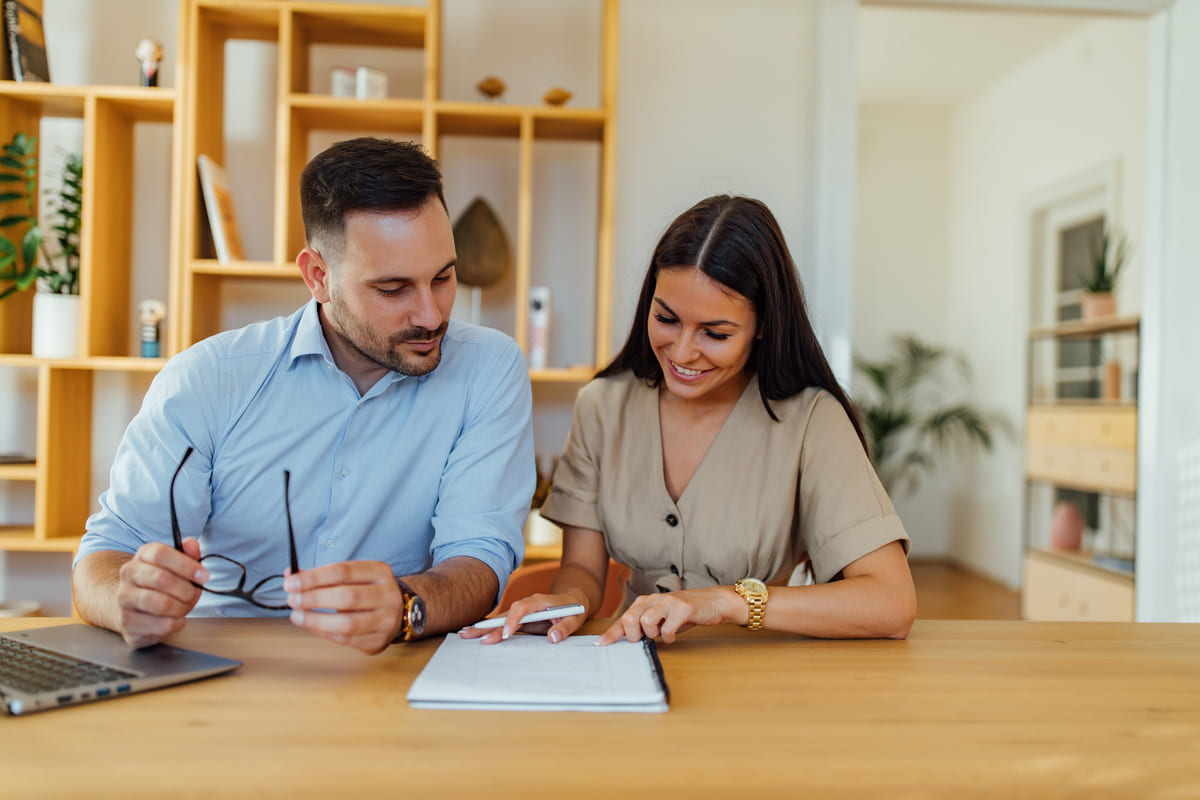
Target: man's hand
[157,589]
[363,596]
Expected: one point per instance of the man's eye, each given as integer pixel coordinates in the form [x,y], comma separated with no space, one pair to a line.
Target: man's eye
[441,279]
[388,292]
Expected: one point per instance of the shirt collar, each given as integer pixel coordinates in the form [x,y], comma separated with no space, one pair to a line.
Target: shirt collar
[310,341]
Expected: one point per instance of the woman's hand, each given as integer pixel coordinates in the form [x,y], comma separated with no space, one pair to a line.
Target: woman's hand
[555,631]
[671,613]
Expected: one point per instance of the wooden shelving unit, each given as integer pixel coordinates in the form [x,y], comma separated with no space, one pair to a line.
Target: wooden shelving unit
[1086,445]
[195,109]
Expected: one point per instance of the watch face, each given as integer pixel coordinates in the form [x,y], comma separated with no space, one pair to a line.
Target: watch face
[752,586]
[416,615]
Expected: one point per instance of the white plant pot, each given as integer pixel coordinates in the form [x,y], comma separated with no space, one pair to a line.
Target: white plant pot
[55,325]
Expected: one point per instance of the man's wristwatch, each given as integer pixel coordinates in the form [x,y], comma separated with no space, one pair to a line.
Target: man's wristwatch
[754,592]
[412,613]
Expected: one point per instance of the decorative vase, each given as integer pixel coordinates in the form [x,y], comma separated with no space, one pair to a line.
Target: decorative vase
[1099,304]
[1066,527]
[55,325]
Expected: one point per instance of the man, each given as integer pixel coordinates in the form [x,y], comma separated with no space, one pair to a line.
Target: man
[407,440]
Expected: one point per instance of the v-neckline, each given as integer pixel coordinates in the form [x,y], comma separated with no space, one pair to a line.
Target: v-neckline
[660,467]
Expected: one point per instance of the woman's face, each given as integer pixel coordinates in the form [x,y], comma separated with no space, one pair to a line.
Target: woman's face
[701,332]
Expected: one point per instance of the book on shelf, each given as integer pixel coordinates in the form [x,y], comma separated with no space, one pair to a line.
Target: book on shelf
[25,41]
[218,202]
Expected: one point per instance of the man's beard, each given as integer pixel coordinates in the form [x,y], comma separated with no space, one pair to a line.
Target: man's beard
[389,353]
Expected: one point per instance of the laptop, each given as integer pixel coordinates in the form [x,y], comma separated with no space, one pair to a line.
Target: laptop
[63,665]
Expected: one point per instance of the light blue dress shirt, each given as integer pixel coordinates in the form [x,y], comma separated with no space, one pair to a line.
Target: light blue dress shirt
[416,471]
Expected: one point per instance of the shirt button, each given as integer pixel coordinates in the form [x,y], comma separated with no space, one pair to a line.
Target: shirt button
[672,520]
[329,543]
[345,471]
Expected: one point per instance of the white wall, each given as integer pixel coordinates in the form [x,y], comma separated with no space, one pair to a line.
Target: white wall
[713,97]
[1168,553]
[900,270]
[1008,144]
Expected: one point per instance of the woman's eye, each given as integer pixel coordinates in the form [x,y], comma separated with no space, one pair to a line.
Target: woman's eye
[719,337]
[665,320]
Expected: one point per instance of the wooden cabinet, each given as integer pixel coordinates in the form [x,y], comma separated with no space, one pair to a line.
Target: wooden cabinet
[305,120]
[1082,451]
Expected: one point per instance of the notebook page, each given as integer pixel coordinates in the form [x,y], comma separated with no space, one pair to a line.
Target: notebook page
[530,672]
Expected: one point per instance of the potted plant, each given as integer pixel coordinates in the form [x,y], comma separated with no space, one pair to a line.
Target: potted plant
[1107,258]
[27,262]
[906,416]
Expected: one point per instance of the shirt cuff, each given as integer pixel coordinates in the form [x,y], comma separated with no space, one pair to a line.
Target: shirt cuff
[563,509]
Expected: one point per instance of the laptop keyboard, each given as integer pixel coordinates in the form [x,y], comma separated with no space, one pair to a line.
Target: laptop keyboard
[31,669]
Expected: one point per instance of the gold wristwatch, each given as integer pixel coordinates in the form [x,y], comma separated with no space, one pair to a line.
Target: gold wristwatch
[754,592]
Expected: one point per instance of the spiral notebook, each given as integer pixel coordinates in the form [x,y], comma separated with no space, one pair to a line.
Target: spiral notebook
[529,673]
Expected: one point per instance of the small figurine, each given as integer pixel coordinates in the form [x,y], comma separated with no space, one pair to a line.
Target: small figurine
[557,96]
[149,53]
[150,313]
[491,87]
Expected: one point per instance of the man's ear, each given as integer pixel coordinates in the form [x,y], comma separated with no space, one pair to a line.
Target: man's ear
[315,273]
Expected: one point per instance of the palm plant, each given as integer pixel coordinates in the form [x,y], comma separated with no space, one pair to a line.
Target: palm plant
[906,415]
[19,262]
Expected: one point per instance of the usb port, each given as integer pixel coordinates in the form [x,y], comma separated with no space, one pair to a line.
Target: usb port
[65,698]
[123,687]
[104,691]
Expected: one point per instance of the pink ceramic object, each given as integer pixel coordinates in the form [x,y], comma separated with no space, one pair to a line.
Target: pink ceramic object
[1066,527]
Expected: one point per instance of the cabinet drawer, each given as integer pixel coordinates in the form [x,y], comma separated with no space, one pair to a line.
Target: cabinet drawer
[1052,462]
[1113,470]
[1048,425]
[1064,592]
[1116,429]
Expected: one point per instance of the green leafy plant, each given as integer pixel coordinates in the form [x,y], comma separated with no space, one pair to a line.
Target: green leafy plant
[906,416]
[19,263]
[1107,258]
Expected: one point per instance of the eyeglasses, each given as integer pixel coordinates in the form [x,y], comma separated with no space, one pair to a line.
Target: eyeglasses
[222,581]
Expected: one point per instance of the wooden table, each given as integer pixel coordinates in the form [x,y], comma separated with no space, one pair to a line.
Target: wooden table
[960,709]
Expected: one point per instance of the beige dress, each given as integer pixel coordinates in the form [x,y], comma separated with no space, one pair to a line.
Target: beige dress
[766,496]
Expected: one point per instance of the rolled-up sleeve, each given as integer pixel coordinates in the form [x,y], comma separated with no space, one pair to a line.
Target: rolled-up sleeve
[574,495]
[490,473]
[844,511]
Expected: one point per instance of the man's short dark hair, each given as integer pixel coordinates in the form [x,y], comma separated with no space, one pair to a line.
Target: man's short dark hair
[365,174]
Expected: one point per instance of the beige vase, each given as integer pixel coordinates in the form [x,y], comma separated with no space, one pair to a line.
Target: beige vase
[55,325]
[1099,304]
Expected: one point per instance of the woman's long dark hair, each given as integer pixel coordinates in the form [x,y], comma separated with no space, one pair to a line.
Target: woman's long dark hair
[737,242]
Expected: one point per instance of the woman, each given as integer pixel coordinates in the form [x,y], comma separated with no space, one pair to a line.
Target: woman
[717,453]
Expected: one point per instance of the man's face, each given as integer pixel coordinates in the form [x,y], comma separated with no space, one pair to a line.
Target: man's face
[390,293]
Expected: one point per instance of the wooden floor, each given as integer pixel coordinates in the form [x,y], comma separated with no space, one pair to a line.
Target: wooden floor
[945,591]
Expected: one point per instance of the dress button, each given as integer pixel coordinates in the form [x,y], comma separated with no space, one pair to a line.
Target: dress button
[672,520]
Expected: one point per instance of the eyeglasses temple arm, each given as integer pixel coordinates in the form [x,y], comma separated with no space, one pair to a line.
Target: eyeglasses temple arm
[287,508]
[174,517]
